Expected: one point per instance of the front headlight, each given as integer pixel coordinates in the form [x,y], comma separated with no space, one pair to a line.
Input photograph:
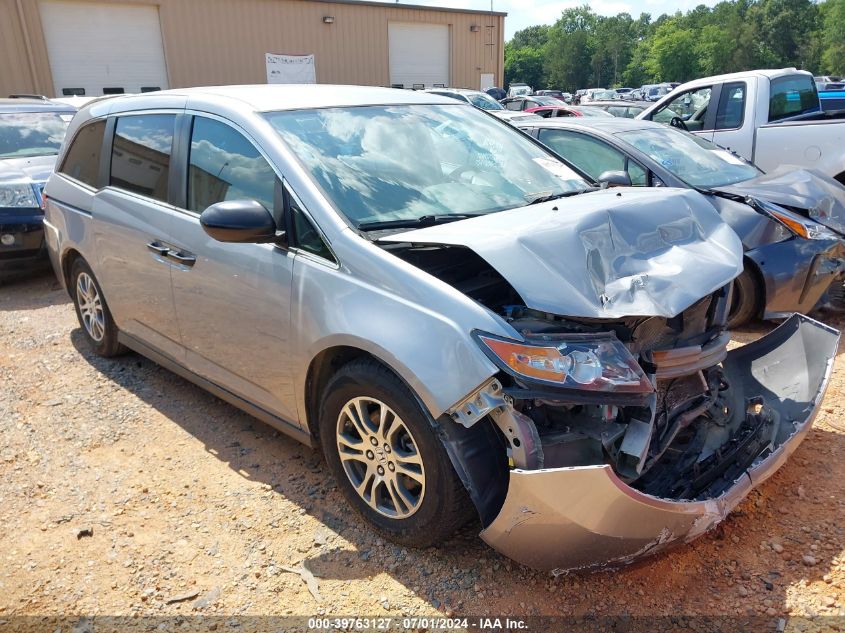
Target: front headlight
[18,195]
[592,362]
[799,225]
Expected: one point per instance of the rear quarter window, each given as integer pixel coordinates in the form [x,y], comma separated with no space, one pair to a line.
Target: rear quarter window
[82,161]
[792,96]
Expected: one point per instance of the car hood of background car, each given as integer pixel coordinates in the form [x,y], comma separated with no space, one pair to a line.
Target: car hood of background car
[606,254]
[823,198]
[36,168]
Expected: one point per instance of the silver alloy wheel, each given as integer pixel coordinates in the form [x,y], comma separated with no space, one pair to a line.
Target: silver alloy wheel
[90,307]
[380,457]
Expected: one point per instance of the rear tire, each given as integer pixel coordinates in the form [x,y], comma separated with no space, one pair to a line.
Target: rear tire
[745,300]
[93,311]
[386,458]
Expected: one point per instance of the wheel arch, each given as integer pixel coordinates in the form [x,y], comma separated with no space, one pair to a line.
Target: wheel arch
[69,257]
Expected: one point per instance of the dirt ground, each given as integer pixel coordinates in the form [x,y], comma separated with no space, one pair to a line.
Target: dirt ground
[128,491]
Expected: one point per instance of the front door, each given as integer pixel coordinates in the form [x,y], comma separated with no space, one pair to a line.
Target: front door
[131,220]
[232,300]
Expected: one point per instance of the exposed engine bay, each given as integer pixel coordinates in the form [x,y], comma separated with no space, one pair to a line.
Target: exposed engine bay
[687,436]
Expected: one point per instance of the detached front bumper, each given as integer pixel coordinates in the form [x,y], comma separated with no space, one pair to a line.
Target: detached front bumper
[570,519]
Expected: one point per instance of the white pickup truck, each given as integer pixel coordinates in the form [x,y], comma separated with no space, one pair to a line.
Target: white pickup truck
[771,117]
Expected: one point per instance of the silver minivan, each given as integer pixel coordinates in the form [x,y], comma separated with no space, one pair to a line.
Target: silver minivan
[463,324]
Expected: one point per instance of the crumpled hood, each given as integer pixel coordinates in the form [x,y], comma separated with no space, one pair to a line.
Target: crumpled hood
[606,254]
[37,169]
[821,196]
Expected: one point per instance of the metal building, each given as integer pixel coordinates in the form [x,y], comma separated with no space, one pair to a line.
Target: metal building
[64,47]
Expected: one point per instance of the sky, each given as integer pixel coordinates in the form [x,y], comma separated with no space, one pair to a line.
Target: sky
[522,13]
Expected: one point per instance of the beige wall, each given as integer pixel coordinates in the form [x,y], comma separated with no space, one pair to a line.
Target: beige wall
[210,42]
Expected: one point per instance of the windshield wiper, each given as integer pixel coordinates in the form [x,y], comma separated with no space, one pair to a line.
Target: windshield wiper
[557,196]
[420,222]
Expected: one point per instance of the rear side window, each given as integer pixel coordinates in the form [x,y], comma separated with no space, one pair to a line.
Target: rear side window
[731,107]
[82,161]
[592,155]
[791,96]
[140,159]
[224,165]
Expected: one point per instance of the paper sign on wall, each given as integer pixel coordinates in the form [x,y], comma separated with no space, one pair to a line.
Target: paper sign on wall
[290,69]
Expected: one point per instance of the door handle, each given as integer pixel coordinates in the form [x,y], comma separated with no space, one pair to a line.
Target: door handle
[158,249]
[186,259]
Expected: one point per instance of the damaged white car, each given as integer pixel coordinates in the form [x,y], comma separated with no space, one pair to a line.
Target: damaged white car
[458,320]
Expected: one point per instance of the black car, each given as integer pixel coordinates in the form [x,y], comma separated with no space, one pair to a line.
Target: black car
[791,223]
[31,133]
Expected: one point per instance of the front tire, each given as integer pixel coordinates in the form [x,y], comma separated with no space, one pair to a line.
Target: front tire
[745,300]
[93,312]
[386,458]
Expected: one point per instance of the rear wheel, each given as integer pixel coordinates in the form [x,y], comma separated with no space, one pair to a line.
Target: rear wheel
[386,458]
[93,312]
[745,300]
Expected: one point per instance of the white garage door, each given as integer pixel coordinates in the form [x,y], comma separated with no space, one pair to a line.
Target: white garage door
[103,48]
[419,54]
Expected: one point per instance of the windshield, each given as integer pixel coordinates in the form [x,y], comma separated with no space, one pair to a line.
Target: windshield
[484,101]
[390,163]
[550,101]
[27,134]
[692,159]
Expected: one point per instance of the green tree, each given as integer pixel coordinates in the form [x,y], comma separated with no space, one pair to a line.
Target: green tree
[673,55]
[833,36]
[569,50]
[532,36]
[524,65]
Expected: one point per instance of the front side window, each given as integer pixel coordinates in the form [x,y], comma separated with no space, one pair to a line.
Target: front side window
[82,161]
[591,155]
[402,163]
[515,104]
[140,160]
[224,165]
[697,162]
[690,106]
[29,134]
[306,236]
[731,110]
[791,96]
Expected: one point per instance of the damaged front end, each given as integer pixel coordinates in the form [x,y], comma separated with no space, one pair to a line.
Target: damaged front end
[627,424]
[594,484]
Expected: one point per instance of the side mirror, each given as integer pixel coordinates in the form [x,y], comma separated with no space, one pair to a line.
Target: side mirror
[614,179]
[239,221]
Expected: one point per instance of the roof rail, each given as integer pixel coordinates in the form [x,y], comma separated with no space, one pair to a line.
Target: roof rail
[25,96]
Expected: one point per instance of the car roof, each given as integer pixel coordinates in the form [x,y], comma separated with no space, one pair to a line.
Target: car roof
[619,102]
[273,97]
[608,125]
[33,105]
[771,73]
[460,91]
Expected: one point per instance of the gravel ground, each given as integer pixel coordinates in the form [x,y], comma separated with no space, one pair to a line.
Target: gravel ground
[128,491]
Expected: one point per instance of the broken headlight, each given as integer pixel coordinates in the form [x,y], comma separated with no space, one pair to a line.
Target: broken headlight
[592,362]
[797,224]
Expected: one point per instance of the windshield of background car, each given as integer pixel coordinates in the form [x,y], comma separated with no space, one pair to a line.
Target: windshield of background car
[484,101]
[28,134]
[542,100]
[384,163]
[692,159]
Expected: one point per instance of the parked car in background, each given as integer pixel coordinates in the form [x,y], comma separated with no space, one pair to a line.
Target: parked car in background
[623,91]
[589,94]
[634,95]
[772,118]
[482,101]
[528,102]
[832,97]
[792,224]
[654,92]
[618,107]
[497,93]
[31,133]
[557,94]
[551,112]
[519,89]
[454,316]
